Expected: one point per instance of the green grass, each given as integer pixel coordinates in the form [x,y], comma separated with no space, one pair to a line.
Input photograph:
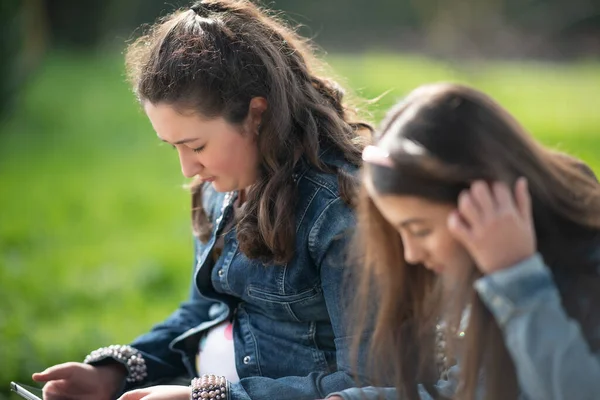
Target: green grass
[95,242]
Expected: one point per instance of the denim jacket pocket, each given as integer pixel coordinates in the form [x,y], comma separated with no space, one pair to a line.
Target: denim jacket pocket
[293,306]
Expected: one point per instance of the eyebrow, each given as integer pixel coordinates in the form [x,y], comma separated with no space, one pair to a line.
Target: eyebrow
[410,221]
[182,141]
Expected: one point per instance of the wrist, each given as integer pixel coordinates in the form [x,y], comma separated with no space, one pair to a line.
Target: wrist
[113,371]
[130,358]
[509,262]
[113,375]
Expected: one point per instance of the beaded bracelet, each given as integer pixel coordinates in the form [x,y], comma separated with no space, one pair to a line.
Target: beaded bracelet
[209,387]
[126,355]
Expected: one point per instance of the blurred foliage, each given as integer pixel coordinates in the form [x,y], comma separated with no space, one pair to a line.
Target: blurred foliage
[95,242]
[449,28]
[22,44]
[10,45]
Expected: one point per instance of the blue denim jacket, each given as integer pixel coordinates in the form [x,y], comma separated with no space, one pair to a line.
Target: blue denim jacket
[289,338]
[552,357]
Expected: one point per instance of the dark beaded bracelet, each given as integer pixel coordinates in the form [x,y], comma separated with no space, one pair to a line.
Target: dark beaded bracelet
[126,355]
[209,387]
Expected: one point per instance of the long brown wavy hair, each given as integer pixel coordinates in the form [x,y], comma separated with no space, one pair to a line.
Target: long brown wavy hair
[441,138]
[215,57]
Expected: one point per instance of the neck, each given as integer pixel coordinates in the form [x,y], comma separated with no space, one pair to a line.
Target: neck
[241,196]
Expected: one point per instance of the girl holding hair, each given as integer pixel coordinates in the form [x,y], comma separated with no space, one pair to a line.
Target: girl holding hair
[274,152]
[482,255]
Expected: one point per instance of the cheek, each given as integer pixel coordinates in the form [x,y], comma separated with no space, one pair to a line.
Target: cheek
[231,157]
[213,160]
[450,252]
[459,260]
[242,152]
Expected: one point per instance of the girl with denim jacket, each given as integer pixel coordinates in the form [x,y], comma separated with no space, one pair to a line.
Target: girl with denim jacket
[481,255]
[274,152]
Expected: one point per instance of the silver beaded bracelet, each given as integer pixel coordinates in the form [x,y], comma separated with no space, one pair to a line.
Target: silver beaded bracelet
[209,387]
[128,356]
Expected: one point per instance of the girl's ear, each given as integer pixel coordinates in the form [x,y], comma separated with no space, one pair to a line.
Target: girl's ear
[256,108]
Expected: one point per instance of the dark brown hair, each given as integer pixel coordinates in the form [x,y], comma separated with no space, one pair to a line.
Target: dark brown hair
[214,58]
[441,138]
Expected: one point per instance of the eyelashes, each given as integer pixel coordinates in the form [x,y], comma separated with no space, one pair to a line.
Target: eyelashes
[196,150]
[421,233]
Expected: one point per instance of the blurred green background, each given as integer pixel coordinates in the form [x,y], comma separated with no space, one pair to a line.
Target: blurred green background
[95,242]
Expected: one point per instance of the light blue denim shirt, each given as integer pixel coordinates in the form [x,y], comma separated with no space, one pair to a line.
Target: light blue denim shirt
[552,358]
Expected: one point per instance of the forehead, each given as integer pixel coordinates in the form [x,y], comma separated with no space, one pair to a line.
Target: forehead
[165,114]
[402,204]
[399,208]
[172,124]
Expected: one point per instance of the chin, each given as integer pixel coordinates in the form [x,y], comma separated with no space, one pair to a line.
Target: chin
[223,188]
[220,188]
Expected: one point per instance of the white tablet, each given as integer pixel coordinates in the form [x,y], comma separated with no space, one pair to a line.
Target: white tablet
[27,392]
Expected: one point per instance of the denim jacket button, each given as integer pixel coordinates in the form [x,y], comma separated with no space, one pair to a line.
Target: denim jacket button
[246,359]
[221,273]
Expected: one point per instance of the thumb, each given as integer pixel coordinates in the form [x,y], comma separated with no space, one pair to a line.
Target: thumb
[56,372]
[458,227]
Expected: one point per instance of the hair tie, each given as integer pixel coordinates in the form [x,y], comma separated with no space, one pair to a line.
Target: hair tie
[200,10]
[377,156]
[204,10]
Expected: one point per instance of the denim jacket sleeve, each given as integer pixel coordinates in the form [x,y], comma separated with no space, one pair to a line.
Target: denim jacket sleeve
[161,361]
[377,393]
[327,242]
[527,306]
[445,387]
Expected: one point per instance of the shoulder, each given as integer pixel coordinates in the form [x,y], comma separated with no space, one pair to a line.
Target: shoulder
[321,208]
[326,184]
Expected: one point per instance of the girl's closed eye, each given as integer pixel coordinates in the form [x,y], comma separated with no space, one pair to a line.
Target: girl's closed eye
[199,149]
[420,232]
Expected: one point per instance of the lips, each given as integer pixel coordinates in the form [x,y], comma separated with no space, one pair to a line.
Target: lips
[438,269]
[208,179]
